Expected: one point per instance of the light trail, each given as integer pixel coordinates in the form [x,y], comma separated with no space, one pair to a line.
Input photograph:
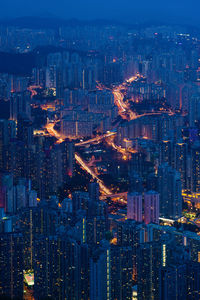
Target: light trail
[50,128]
[106,192]
[126,153]
[32,89]
[96,139]
[124,111]
[119,99]
[91,172]
[120,198]
[60,138]
[48,106]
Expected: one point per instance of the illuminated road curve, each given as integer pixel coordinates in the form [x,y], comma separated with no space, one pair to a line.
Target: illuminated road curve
[120,198]
[104,189]
[96,139]
[53,132]
[32,89]
[60,138]
[89,170]
[50,128]
[126,153]
[119,99]
[124,111]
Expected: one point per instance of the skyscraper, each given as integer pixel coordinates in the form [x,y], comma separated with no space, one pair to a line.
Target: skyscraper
[94,191]
[195,168]
[151,207]
[24,129]
[100,277]
[11,265]
[134,206]
[166,152]
[169,187]
[173,282]
[194,110]
[149,259]
[36,221]
[181,165]
[61,268]
[121,272]
[193,280]
[7,132]
[20,103]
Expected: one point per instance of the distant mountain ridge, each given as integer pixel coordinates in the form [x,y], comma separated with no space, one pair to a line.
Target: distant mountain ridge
[54,23]
[34,22]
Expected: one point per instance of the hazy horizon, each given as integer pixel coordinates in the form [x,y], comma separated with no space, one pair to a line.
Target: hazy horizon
[129,11]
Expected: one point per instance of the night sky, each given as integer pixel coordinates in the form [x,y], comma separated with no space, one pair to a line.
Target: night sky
[125,10]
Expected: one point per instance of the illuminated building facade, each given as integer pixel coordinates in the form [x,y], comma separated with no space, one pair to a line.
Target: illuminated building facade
[151,207]
[134,206]
[11,261]
[169,187]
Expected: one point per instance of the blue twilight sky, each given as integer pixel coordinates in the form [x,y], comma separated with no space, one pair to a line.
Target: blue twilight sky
[186,11]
